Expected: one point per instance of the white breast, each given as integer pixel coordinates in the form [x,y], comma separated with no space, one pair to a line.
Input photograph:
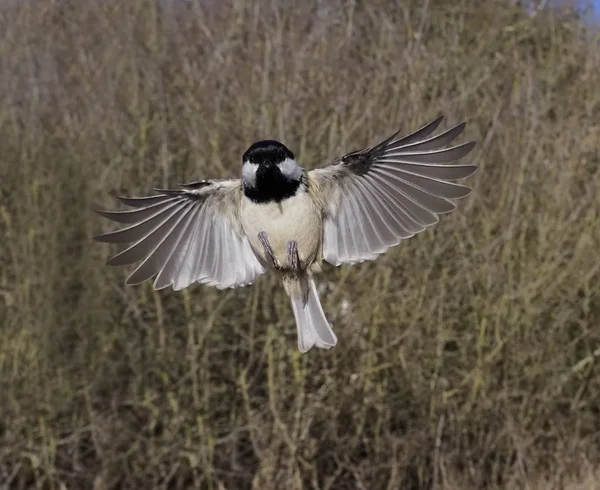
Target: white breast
[295,218]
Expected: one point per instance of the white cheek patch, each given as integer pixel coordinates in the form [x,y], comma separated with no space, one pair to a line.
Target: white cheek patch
[249,173]
[290,169]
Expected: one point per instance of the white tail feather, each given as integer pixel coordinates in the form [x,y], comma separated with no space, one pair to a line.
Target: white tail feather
[313,327]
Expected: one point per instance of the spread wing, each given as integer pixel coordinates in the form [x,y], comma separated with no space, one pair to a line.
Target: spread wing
[378,196]
[186,235]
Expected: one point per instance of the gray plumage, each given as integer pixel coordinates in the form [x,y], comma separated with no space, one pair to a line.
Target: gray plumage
[226,233]
[186,236]
[387,193]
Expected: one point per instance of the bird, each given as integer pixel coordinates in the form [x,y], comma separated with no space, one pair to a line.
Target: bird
[280,217]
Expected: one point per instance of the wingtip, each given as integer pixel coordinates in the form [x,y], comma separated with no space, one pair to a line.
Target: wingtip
[110,237]
[108,262]
[168,192]
[122,199]
[117,197]
[133,281]
[198,184]
[161,286]
[473,167]
[101,238]
[104,213]
[99,211]
[466,194]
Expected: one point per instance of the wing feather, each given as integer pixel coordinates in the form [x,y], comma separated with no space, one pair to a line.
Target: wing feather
[142,202]
[441,139]
[181,236]
[184,272]
[418,135]
[165,241]
[391,191]
[136,215]
[399,224]
[367,225]
[380,230]
[434,156]
[211,259]
[172,265]
[433,171]
[140,228]
[363,249]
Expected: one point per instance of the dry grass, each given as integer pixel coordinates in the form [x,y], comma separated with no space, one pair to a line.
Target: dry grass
[467,358]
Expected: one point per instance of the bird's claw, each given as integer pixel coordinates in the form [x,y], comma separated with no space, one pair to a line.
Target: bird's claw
[262,238]
[292,251]
[293,257]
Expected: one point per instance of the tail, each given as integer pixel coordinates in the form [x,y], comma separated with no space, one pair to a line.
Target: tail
[313,327]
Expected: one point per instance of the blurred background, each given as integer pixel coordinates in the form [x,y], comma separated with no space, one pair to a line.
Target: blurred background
[467,356]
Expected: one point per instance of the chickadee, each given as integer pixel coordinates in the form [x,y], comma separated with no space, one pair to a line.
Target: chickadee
[226,233]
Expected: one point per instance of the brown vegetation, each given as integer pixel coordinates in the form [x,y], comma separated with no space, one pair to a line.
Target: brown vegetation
[467,356]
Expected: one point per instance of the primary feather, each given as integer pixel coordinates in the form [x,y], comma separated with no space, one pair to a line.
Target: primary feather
[382,195]
[186,235]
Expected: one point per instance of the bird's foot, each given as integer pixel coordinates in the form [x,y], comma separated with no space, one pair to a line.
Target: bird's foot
[293,257]
[262,238]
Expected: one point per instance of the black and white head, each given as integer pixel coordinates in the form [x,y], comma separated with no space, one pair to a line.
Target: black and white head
[270,172]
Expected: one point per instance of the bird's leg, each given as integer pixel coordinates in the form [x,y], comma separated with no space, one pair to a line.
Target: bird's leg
[293,257]
[262,238]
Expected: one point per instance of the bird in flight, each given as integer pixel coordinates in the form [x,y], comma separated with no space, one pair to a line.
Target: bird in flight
[279,216]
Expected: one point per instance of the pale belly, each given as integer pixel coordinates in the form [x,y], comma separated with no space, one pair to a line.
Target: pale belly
[295,218]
